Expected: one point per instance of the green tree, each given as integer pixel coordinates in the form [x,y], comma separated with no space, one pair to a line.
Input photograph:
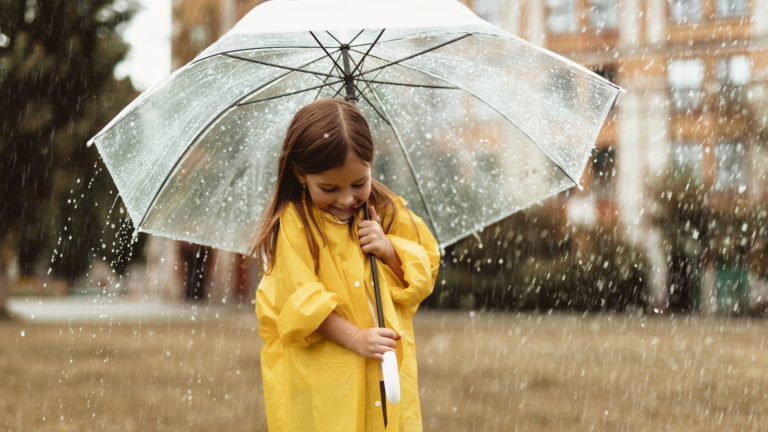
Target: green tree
[57,90]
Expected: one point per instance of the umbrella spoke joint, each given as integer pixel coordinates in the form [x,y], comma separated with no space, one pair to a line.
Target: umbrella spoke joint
[349,82]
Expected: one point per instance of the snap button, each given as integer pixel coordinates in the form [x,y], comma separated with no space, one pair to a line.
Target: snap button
[357,284]
[378,404]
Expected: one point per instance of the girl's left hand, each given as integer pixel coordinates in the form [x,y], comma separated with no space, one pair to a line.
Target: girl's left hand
[372,237]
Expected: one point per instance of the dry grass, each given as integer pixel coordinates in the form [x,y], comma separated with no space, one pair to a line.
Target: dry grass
[487,372]
[601,373]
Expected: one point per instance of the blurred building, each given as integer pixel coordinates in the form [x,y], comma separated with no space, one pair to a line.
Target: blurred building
[693,119]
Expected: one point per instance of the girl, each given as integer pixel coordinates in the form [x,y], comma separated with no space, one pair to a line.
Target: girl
[320,365]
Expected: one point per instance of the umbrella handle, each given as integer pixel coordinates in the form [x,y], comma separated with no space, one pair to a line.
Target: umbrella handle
[391,377]
[389,364]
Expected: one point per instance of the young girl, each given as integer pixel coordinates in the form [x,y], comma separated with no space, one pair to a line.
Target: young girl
[320,365]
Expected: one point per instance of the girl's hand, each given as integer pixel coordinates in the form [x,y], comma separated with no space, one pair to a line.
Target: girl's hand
[369,342]
[374,342]
[372,237]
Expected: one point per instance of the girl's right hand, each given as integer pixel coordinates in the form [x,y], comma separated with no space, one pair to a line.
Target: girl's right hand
[374,342]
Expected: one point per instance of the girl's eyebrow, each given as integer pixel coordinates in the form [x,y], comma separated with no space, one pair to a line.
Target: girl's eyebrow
[333,185]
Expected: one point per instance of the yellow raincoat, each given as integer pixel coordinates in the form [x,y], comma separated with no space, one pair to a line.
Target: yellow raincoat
[311,383]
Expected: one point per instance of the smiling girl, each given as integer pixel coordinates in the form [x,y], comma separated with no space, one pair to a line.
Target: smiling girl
[321,360]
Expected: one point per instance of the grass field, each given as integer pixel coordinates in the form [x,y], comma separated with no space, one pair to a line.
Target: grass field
[481,372]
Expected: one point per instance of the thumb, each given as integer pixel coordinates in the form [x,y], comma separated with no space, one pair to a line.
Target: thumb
[374,216]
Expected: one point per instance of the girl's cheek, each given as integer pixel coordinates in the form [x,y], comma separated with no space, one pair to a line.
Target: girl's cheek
[366,193]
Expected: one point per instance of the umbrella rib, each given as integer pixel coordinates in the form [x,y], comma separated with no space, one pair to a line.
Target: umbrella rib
[356,36]
[337,92]
[290,94]
[491,106]
[368,84]
[200,133]
[415,36]
[341,71]
[410,166]
[367,52]
[325,81]
[334,37]
[275,47]
[386,120]
[391,62]
[410,85]
[280,66]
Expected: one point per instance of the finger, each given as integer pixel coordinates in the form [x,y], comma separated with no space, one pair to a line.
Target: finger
[381,349]
[386,342]
[374,215]
[363,232]
[371,249]
[387,333]
[365,224]
[371,238]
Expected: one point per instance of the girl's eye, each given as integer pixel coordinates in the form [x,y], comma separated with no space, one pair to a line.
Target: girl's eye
[328,190]
[359,185]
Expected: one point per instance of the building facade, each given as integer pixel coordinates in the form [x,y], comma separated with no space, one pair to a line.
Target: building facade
[693,119]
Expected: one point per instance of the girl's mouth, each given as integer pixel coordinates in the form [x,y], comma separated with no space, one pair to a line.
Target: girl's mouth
[345,209]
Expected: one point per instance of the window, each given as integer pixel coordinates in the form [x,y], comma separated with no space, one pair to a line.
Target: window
[562,16]
[730,8]
[731,165]
[602,14]
[682,11]
[686,161]
[733,76]
[685,78]
[487,10]
[603,172]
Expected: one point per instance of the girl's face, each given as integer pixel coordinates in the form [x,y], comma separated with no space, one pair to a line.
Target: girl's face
[340,191]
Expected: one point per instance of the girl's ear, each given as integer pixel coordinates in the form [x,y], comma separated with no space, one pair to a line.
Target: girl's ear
[297,173]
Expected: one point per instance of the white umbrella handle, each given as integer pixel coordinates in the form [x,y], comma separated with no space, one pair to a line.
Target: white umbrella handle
[391,377]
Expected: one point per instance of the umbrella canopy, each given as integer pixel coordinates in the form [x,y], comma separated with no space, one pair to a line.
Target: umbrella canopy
[470,123]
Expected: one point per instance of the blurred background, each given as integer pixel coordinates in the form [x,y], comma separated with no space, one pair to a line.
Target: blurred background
[672,225]
[671,215]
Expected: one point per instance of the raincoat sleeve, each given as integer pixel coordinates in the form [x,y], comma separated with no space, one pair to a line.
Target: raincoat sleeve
[419,253]
[291,302]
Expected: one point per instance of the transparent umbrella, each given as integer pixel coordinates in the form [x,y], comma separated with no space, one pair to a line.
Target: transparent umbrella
[471,123]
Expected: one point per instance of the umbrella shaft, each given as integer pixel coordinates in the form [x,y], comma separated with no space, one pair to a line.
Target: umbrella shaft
[379,312]
[375,271]
[349,83]
[351,98]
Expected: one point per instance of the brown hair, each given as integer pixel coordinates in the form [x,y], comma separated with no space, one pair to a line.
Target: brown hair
[321,136]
